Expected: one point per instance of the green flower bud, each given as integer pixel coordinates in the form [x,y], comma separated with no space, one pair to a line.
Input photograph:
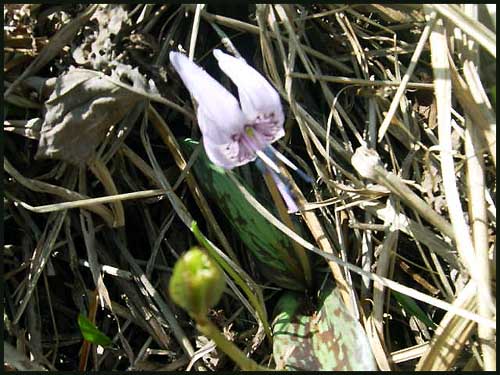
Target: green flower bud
[197,282]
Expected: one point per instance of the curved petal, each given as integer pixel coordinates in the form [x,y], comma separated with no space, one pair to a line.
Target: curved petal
[228,155]
[216,106]
[285,193]
[257,96]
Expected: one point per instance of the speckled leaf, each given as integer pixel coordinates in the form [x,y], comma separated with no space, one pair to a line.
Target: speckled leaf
[271,248]
[326,338]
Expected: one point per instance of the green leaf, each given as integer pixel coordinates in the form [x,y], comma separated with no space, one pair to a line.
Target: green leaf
[324,339]
[411,307]
[91,333]
[272,249]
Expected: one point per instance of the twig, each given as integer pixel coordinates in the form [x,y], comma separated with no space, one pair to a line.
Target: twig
[40,258]
[442,83]
[93,201]
[240,25]
[475,29]
[194,30]
[382,280]
[368,165]
[65,193]
[169,139]
[450,337]
[362,82]
[406,78]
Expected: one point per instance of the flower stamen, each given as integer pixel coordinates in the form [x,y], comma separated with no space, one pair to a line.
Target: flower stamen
[249,141]
[290,164]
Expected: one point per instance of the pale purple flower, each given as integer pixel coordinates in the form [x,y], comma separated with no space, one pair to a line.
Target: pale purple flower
[232,135]
[235,133]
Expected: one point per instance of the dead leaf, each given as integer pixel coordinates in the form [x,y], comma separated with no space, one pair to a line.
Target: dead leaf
[81,110]
[57,42]
[98,49]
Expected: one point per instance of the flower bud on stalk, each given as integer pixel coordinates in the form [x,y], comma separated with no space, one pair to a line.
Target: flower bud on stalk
[197,282]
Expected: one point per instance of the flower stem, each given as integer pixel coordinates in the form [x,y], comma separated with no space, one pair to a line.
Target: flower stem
[301,255]
[255,297]
[209,329]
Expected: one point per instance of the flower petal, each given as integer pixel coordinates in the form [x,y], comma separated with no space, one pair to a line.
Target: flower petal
[257,96]
[268,129]
[285,193]
[282,187]
[217,107]
[227,155]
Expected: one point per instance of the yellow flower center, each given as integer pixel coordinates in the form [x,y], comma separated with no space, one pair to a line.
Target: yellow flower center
[249,131]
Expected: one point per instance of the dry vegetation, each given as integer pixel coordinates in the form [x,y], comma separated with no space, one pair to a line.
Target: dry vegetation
[390,108]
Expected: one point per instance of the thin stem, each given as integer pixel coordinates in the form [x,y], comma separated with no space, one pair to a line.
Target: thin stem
[290,164]
[206,327]
[299,250]
[252,296]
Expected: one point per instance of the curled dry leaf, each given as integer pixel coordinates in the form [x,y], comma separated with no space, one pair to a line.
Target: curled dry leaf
[81,109]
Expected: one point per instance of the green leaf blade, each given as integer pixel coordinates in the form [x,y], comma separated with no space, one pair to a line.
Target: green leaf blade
[271,248]
[91,333]
[412,308]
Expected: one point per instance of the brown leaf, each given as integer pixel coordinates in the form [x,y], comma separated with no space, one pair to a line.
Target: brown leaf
[80,111]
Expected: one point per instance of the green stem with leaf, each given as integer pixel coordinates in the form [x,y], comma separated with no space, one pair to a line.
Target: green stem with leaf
[235,276]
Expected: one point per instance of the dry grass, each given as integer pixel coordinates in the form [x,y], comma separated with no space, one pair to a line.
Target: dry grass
[390,108]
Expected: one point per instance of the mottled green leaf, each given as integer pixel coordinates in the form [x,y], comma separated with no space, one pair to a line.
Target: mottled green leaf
[91,333]
[411,307]
[326,338]
[272,249]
